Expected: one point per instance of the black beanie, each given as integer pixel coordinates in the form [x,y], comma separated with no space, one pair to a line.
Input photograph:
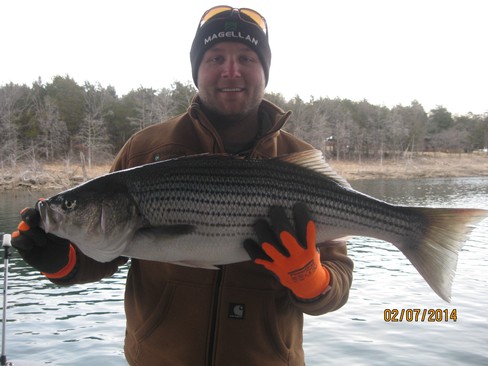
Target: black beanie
[231,28]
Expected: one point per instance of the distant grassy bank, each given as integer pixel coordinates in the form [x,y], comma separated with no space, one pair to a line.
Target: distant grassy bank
[428,165]
[60,176]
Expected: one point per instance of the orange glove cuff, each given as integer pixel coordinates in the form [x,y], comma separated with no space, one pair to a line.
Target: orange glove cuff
[66,270]
[310,281]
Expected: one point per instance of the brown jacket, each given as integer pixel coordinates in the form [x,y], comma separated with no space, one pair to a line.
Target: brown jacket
[239,315]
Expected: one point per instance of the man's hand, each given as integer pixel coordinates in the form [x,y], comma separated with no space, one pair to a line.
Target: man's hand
[291,254]
[53,256]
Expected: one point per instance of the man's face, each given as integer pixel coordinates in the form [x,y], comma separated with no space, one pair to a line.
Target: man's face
[231,80]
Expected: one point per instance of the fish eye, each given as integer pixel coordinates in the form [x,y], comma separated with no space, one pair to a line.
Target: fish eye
[69,204]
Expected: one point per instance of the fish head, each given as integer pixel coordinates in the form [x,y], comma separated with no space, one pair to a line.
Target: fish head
[100,223]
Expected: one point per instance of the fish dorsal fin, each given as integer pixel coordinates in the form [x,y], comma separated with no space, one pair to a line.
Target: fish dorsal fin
[314,160]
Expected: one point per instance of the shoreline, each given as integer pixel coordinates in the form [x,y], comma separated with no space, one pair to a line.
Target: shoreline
[428,165]
[422,166]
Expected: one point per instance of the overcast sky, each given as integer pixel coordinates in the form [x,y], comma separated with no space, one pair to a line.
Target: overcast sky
[388,52]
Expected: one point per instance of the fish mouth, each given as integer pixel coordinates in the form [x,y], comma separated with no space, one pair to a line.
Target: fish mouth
[49,217]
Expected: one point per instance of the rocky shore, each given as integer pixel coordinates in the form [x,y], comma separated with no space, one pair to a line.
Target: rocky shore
[46,176]
[59,176]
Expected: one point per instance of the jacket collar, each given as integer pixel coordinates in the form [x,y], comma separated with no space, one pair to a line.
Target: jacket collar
[271,115]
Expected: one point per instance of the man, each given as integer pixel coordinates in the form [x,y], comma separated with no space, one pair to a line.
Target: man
[248,313]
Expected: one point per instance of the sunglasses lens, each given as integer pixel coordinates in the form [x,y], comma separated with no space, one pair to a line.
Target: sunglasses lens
[210,13]
[253,15]
[256,17]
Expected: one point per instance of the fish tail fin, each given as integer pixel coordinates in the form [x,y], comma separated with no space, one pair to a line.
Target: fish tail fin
[436,256]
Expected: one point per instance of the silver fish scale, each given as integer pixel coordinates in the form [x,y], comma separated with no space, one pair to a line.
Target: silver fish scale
[224,196]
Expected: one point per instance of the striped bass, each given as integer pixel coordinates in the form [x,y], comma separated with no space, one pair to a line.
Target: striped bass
[198,210]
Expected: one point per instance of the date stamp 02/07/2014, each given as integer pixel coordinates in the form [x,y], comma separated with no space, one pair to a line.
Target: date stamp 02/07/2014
[420,315]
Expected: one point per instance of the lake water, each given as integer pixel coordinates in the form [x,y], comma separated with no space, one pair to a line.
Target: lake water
[84,324]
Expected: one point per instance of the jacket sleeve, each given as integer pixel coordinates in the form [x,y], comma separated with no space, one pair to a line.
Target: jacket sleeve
[89,270]
[334,258]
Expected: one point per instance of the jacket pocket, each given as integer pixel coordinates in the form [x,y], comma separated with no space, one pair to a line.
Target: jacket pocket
[269,333]
[276,330]
[177,324]
[154,320]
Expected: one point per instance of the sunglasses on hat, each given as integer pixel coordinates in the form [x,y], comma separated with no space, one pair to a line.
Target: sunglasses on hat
[213,13]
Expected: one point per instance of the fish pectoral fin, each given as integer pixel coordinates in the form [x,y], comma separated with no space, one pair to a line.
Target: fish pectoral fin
[166,230]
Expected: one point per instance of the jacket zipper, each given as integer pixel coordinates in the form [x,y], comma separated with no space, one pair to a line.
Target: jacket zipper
[215,316]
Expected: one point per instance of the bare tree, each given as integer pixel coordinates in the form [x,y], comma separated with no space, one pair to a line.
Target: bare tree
[164,106]
[341,125]
[53,136]
[408,127]
[146,108]
[10,111]
[182,95]
[93,136]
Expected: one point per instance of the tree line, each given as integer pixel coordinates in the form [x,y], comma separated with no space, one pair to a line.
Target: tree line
[62,120]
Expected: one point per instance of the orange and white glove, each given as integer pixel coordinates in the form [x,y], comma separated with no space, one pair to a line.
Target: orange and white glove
[290,253]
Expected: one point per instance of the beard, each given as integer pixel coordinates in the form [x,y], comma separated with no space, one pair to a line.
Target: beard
[220,111]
